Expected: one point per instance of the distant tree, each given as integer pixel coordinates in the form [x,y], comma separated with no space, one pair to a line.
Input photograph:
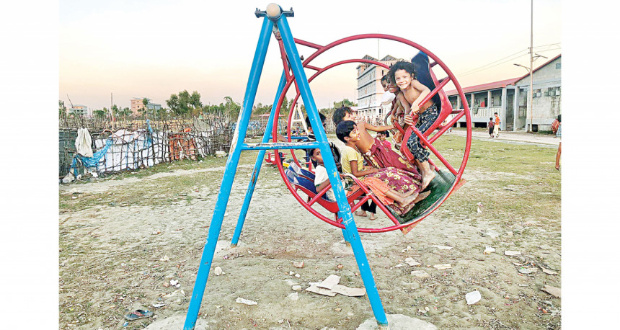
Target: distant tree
[116,111]
[173,104]
[99,114]
[195,103]
[185,103]
[126,112]
[231,107]
[62,109]
[344,102]
[161,113]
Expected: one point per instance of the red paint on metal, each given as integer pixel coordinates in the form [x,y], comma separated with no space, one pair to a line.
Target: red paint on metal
[322,49]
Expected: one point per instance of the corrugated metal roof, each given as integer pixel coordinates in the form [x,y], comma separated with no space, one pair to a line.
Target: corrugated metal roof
[487,86]
[500,83]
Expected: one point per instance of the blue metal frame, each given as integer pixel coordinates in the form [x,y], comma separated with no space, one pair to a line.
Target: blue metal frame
[350,232]
[257,166]
[229,175]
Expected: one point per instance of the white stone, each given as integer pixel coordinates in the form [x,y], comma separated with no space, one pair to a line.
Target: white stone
[442,266]
[411,262]
[293,296]
[489,250]
[473,297]
[245,301]
[420,274]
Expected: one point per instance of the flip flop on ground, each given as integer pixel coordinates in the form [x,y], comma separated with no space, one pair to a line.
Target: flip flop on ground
[138,314]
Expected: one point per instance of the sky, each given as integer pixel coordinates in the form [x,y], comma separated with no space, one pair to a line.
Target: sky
[117,50]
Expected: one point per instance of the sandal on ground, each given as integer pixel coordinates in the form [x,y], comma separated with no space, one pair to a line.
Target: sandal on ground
[138,314]
[373,216]
[361,214]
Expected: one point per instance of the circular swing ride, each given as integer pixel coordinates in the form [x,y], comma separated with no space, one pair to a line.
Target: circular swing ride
[445,182]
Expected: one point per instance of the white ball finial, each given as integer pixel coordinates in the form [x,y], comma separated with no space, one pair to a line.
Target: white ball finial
[273,10]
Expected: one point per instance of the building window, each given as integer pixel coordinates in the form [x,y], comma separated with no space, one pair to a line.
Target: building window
[558,65]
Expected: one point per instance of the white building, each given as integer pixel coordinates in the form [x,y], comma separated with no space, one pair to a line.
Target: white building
[80,110]
[369,89]
[509,99]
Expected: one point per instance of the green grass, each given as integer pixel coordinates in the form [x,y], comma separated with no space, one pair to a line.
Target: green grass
[515,181]
[509,179]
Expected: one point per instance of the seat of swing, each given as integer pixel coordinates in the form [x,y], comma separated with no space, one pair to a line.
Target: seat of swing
[304,180]
[439,187]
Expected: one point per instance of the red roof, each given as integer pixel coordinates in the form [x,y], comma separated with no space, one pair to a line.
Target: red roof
[487,86]
[500,83]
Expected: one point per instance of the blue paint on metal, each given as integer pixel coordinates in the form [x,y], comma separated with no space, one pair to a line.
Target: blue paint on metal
[229,175]
[257,166]
[330,165]
[282,145]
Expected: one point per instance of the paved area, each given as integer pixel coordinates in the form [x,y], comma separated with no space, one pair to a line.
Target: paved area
[516,137]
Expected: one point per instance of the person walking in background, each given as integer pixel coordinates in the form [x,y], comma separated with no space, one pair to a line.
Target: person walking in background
[558,132]
[496,126]
[490,126]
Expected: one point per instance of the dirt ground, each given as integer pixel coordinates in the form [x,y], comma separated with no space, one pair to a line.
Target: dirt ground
[118,256]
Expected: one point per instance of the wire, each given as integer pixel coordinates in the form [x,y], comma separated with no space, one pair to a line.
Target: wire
[492,63]
[509,58]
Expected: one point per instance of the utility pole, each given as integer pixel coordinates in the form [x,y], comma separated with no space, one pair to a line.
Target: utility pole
[531,128]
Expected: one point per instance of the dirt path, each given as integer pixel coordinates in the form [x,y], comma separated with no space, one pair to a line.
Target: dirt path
[118,259]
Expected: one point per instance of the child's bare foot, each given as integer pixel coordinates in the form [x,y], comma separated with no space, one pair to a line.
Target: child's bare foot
[557,167]
[361,214]
[409,193]
[422,196]
[373,216]
[427,177]
[408,200]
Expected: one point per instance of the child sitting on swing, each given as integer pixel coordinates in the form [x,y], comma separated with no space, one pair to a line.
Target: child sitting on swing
[373,149]
[392,186]
[400,108]
[321,179]
[403,74]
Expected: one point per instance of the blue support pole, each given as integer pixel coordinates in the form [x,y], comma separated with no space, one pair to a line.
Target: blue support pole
[229,175]
[257,166]
[345,210]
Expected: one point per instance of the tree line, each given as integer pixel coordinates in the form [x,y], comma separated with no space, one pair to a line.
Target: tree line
[185,104]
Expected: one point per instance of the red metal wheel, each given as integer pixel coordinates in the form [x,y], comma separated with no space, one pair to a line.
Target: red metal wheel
[426,138]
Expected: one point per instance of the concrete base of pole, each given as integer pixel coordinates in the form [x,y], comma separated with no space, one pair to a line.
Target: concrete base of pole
[398,322]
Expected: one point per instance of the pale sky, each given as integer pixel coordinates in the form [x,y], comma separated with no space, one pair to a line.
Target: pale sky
[156,48]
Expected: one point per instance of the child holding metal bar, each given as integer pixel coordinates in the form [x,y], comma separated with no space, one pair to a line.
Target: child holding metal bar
[375,153]
[321,180]
[395,187]
[403,74]
[399,109]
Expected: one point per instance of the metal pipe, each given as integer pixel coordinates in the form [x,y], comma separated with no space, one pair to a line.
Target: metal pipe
[257,166]
[229,175]
[351,233]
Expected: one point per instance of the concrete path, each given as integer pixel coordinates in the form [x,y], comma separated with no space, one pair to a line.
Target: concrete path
[519,137]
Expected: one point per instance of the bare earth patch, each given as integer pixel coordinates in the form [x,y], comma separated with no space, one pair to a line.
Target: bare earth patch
[126,241]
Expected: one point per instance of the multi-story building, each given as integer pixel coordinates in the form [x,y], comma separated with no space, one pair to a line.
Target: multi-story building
[137,104]
[81,110]
[369,89]
[509,99]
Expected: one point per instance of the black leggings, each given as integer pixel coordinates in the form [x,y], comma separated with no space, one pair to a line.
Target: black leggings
[372,208]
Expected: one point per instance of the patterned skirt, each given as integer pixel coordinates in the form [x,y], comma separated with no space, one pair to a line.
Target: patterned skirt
[398,180]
